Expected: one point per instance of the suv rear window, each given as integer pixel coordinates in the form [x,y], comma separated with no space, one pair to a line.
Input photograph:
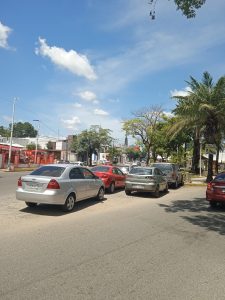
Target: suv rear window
[164,168]
[51,171]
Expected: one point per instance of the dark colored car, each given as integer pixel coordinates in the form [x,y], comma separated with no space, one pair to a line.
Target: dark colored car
[173,173]
[215,192]
[112,176]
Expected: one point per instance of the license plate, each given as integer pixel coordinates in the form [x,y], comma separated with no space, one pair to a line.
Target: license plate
[140,187]
[34,186]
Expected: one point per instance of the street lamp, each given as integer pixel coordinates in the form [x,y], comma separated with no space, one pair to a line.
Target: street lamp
[11,135]
[38,127]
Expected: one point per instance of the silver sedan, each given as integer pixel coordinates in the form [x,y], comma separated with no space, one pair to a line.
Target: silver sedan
[146,179]
[61,184]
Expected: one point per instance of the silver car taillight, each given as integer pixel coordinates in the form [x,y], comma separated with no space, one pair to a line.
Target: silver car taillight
[53,185]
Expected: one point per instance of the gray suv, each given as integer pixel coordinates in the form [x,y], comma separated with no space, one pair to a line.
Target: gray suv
[172,171]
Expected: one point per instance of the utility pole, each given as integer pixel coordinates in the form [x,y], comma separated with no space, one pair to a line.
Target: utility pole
[11,135]
[36,148]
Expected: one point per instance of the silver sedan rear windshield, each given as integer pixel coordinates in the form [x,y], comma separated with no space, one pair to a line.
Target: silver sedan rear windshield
[50,171]
[141,171]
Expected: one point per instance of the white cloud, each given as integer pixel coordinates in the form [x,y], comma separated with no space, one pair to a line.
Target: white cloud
[71,123]
[101,112]
[183,93]
[4,34]
[77,105]
[7,118]
[88,96]
[70,60]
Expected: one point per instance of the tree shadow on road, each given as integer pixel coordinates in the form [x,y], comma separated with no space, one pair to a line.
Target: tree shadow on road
[199,213]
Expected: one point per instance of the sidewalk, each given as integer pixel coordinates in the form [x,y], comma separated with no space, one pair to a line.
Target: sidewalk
[196,181]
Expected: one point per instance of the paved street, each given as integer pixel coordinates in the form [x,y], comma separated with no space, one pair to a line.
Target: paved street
[136,247]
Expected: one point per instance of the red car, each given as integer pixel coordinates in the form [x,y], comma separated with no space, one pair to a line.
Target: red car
[215,192]
[112,176]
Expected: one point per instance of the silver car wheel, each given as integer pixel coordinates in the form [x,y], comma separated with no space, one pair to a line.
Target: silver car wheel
[101,194]
[70,203]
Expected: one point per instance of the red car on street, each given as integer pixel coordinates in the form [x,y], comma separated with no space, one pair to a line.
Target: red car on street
[112,176]
[215,192]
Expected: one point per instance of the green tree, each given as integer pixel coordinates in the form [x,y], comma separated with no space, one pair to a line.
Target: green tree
[204,110]
[91,141]
[133,153]
[21,130]
[143,127]
[170,146]
[32,146]
[187,7]
[114,153]
[4,132]
[50,145]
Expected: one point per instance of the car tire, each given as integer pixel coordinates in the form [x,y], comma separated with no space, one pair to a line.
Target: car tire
[175,185]
[166,189]
[156,192]
[31,204]
[127,192]
[213,204]
[101,194]
[112,188]
[182,181]
[69,203]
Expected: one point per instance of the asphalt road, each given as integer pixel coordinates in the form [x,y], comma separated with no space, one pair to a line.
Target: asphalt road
[135,247]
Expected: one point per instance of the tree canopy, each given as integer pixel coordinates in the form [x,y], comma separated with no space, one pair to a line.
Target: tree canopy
[203,109]
[187,7]
[90,142]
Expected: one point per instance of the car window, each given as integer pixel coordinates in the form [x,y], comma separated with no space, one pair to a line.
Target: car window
[160,172]
[156,172]
[165,168]
[50,171]
[220,177]
[141,171]
[100,169]
[87,174]
[119,172]
[76,174]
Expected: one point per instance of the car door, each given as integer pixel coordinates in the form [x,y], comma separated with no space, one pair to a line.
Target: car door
[120,177]
[162,181]
[91,183]
[78,183]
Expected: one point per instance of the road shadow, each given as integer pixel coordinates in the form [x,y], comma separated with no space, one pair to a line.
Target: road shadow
[212,219]
[56,210]
[148,194]
[117,190]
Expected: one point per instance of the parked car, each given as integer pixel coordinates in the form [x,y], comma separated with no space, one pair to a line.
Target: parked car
[124,168]
[173,173]
[62,184]
[146,179]
[63,162]
[112,176]
[78,163]
[215,192]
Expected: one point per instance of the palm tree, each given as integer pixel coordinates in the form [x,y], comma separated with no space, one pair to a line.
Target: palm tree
[204,107]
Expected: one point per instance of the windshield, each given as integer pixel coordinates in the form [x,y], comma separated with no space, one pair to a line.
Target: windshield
[51,171]
[141,171]
[100,169]
[164,168]
[220,177]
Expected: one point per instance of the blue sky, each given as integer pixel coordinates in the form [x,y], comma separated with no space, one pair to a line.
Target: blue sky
[76,63]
